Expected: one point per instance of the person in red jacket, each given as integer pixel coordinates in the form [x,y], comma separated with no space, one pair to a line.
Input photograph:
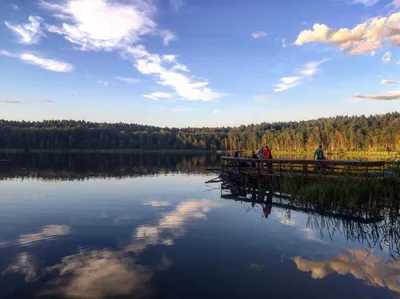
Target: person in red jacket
[268,156]
[267,153]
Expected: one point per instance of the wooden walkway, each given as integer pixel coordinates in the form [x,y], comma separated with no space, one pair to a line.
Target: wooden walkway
[309,168]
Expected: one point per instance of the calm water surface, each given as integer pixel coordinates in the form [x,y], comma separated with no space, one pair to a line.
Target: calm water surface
[147,226]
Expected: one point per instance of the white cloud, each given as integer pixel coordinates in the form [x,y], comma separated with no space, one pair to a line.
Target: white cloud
[169,58]
[48,64]
[155,203]
[176,4]
[384,81]
[158,95]
[5,53]
[215,111]
[176,66]
[263,98]
[180,67]
[15,7]
[165,72]
[398,62]
[371,35]
[258,34]
[147,67]
[167,36]
[365,2]
[391,95]
[386,57]
[309,70]
[372,269]
[283,41]
[29,33]
[287,83]
[128,80]
[105,83]
[101,24]
[110,26]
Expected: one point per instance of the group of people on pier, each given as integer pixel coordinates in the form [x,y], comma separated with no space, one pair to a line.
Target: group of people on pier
[263,158]
[266,154]
[263,153]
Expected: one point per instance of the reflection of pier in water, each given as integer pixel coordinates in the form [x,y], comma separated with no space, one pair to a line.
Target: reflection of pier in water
[279,200]
[380,228]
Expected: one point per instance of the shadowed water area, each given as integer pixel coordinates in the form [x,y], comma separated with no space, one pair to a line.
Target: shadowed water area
[147,226]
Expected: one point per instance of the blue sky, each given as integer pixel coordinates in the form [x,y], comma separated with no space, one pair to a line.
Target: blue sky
[198,62]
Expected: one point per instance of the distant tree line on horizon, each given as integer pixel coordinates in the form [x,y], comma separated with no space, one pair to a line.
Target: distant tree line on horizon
[347,133]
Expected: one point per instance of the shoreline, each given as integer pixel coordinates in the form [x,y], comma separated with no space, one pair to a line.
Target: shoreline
[221,152]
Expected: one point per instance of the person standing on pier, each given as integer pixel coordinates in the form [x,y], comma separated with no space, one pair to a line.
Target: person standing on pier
[235,155]
[261,153]
[319,153]
[267,153]
[268,157]
[254,156]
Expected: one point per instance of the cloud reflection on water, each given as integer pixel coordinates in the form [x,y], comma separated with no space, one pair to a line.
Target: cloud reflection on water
[170,226]
[374,270]
[48,232]
[106,273]
[26,265]
[100,274]
[155,203]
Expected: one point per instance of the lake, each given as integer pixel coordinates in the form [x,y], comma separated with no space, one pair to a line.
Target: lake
[147,226]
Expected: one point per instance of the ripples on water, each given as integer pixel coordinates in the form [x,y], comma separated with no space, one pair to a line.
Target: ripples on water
[147,226]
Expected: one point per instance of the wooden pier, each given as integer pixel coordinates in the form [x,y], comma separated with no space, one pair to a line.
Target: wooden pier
[232,168]
[355,191]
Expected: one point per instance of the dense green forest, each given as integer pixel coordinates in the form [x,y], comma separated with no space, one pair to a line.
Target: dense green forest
[355,133]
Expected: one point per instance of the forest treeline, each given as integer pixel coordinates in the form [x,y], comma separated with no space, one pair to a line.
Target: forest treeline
[347,133]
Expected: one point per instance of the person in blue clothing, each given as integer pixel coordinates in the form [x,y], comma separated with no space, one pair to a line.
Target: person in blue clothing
[260,153]
[319,153]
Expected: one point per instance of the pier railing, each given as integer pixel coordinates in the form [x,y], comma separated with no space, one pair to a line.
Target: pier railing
[305,167]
